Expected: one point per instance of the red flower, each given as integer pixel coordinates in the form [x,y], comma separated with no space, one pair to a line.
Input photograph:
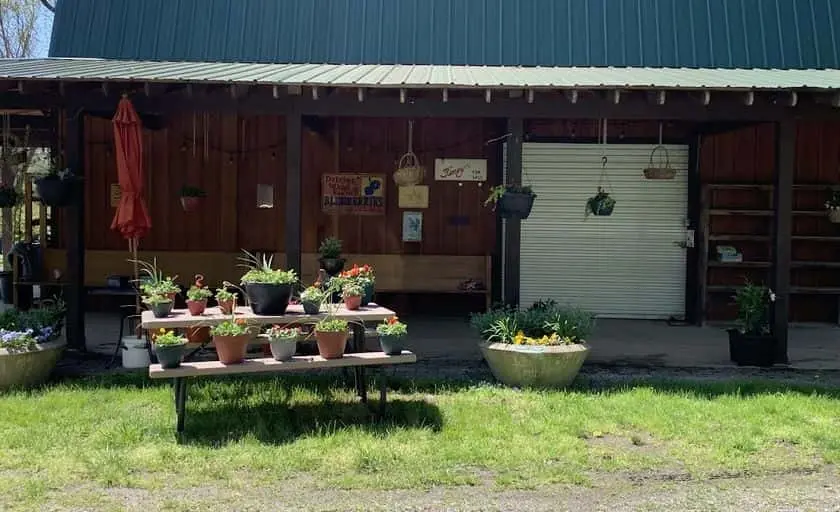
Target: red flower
[392,320]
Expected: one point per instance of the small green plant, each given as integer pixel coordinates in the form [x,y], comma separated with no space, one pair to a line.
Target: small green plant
[392,327]
[231,327]
[352,289]
[544,323]
[166,338]
[313,294]
[331,324]
[154,282]
[601,204]
[192,191]
[330,248]
[224,295]
[280,333]
[156,299]
[498,191]
[260,271]
[754,303]
[197,294]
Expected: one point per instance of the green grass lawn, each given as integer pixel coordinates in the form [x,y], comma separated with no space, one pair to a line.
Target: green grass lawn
[119,432]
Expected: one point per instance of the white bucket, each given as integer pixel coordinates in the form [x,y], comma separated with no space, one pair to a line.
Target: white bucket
[134,353]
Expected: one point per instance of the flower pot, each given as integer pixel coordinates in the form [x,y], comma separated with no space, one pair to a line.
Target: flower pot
[834,216]
[331,345]
[29,368]
[749,350]
[170,356]
[553,366]
[269,299]
[367,298]
[231,349]
[54,191]
[392,345]
[161,309]
[198,335]
[197,307]
[311,308]
[599,209]
[353,303]
[190,204]
[332,266]
[515,205]
[283,349]
[226,306]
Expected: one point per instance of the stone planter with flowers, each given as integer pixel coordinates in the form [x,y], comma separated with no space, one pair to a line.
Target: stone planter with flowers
[752,343]
[30,345]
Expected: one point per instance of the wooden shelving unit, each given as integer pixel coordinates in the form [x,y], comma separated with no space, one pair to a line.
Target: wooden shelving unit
[741,215]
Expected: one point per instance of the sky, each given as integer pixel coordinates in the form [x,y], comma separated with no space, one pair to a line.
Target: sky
[44,28]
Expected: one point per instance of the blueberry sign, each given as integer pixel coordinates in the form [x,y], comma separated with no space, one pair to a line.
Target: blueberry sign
[353,194]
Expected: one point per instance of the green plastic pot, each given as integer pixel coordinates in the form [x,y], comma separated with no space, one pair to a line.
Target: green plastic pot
[392,345]
[169,356]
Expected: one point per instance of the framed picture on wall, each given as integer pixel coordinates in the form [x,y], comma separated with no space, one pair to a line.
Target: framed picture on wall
[412,227]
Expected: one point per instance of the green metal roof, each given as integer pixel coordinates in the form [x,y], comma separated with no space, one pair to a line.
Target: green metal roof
[401,76]
[786,34]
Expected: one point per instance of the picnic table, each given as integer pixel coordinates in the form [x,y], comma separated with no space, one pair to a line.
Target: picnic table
[355,359]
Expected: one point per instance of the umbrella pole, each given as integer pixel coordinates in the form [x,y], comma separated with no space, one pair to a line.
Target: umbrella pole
[133,243]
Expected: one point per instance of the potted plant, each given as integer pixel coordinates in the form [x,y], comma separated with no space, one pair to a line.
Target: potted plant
[362,276]
[160,305]
[154,282]
[751,343]
[600,205]
[331,260]
[9,196]
[197,296]
[311,299]
[392,334]
[511,201]
[331,335]
[283,341]
[226,299]
[169,347]
[231,339]
[832,206]
[542,346]
[268,289]
[352,294]
[191,197]
[58,188]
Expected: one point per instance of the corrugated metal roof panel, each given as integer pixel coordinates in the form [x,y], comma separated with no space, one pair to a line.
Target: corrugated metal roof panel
[397,76]
[794,34]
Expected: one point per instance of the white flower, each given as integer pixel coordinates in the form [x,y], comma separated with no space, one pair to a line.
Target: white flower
[772,296]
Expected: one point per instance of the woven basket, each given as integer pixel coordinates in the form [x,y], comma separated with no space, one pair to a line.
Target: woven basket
[661,172]
[834,216]
[409,171]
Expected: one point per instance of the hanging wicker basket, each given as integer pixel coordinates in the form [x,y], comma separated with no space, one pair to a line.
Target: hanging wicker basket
[663,171]
[834,216]
[409,171]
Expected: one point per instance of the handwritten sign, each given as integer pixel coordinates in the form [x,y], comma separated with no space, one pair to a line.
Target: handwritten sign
[116,193]
[353,194]
[414,197]
[458,169]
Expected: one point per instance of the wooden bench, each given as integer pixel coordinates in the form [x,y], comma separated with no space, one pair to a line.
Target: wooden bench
[268,365]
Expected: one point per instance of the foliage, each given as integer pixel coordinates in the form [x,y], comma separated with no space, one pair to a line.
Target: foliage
[392,327]
[313,294]
[544,323]
[54,173]
[600,203]
[260,271]
[156,299]
[352,289]
[154,282]
[330,248]
[192,191]
[224,295]
[8,196]
[833,201]
[197,294]
[363,275]
[753,303]
[498,191]
[231,327]
[332,324]
[280,333]
[166,338]
[21,330]
[18,341]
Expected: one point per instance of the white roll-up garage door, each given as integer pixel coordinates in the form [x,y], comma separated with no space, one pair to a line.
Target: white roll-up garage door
[629,265]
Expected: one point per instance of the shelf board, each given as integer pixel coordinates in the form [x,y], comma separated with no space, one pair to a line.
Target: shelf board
[739,238]
[796,290]
[812,213]
[740,264]
[816,238]
[754,213]
[765,186]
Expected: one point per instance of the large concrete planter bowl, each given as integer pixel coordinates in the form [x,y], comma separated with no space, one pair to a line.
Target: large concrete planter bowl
[28,369]
[534,366]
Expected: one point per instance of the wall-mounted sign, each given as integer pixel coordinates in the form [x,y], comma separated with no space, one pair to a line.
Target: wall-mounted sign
[414,197]
[412,228]
[460,169]
[116,193]
[353,194]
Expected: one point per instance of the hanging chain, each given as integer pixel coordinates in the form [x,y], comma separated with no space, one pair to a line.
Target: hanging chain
[411,135]
[603,177]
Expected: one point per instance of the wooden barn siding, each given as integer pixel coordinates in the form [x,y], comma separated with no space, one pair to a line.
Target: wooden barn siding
[748,156]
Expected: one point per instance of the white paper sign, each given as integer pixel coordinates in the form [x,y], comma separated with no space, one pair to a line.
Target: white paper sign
[459,169]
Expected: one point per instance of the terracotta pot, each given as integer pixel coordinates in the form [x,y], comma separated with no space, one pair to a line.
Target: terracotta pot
[190,203]
[331,345]
[226,306]
[231,349]
[198,335]
[353,303]
[171,296]
[197,307]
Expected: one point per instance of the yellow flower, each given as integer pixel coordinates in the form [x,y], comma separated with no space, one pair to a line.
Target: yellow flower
[519,339]
[162,330]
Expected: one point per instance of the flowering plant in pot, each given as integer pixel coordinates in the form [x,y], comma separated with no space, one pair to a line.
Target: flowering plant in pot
[161,305]
[752,343]
[331,335]
[153,281]
[283,341]
[268,289]
[352,293]
[331,260]
[511,201]
[600,205]
[392,334]
[362,276]
[197,296]
[226,299]
[191,197]
[311,299]
[58,188]
[832,206]
[169,348]
[231,338]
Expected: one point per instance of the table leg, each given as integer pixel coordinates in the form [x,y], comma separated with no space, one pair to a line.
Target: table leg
[358,343]
[180,402]
[383,392]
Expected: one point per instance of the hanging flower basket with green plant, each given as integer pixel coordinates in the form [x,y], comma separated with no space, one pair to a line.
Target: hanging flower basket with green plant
[58,188]
[511,201]
[191,197]
[600,205]
[9,197]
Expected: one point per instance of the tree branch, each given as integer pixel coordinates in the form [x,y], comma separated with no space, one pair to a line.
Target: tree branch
[48,5]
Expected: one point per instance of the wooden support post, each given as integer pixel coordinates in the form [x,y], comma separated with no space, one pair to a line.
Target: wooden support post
[293,191]
[783,200]
[513,227]
[74,230]
[692,285]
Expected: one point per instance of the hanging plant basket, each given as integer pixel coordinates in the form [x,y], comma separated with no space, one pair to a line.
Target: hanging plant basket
[191,198]
[515,205]
[56,191]
[409,171]
[600,205]
[834,216]
[8,197]
[661,170]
